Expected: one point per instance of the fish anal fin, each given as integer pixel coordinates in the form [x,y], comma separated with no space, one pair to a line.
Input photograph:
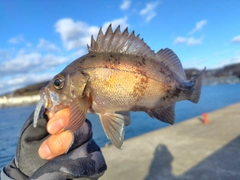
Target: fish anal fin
[78,111]
[165,114]
[113,125]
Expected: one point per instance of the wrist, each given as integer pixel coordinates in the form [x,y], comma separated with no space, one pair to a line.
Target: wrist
[11,171]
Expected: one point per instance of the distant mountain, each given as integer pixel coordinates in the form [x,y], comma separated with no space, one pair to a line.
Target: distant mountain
[229,70]
[30,90]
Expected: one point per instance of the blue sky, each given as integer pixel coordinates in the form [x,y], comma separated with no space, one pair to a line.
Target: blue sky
[39,38]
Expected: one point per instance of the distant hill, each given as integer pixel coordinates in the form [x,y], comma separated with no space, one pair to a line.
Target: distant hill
[30,90]
[233,68]
[229,70]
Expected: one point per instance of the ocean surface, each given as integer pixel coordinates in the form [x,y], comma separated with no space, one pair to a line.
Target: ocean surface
[212,98]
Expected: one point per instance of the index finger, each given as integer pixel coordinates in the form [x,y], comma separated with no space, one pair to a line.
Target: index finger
[58,121]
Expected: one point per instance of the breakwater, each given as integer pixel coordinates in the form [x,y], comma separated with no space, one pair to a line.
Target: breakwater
[18,101]
[185,151]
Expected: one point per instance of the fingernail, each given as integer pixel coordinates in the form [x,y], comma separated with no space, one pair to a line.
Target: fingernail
[44,151]
[55,126]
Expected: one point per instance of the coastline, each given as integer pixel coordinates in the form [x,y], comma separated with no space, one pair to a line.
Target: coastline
[6,102]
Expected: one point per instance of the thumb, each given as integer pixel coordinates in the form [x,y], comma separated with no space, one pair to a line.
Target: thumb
[56,145]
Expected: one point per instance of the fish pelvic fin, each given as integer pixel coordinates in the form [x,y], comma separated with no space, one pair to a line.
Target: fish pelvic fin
[164,114]
[78,111]
[197,86]
[126,115]
[114,127]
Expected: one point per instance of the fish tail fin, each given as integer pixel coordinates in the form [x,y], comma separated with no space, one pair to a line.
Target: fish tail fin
[197,86]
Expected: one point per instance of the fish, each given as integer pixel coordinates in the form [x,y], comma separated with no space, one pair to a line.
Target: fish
[119,74]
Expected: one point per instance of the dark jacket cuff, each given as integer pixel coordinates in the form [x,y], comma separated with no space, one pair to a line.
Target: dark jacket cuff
[11,171]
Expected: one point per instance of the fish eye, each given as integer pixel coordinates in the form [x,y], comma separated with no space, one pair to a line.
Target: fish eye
[58,82]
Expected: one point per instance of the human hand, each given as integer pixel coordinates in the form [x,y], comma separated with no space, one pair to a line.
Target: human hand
[60,141]
[82,160]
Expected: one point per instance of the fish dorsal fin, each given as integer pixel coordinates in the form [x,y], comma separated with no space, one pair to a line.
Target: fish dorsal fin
[170,59]
[122,42]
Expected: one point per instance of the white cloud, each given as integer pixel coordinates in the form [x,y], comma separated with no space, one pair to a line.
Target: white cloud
[125,4]
[27,68]
[21,63]
[17,81]
[77,34]
[46,45]
[193,41]
[190,41]
[16,40]
[30,62]
[53,60]
[29,65]
[180,40]
[149,11]
[121,21]
[5,54]
[78,54]
[236,39]
[199,25]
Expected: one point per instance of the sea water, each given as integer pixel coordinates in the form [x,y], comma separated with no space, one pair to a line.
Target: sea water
[212,98]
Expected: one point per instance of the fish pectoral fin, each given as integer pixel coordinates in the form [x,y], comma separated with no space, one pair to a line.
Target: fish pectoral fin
[78,111]
[113,125]
[165,114]
[126,115]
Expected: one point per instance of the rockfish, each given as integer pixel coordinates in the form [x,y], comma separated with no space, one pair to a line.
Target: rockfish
[119,74]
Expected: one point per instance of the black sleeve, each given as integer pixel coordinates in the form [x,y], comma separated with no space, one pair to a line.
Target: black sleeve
[84,158]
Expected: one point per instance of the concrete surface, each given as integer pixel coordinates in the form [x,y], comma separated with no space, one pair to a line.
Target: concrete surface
[188,150]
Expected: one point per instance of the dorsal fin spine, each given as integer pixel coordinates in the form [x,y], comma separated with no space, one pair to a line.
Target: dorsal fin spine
[144,50]
[137,45]
[99,39]
[107,40]
[100,34]
[125,42]
[131,40]
[93,44]
[132,45]
[120,41]
[125,33]
[110,39]
[118,36]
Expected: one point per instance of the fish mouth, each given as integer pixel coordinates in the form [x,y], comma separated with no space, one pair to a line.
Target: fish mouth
[48,100]
[41,104]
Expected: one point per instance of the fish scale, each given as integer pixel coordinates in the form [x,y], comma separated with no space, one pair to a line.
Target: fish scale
[119,74]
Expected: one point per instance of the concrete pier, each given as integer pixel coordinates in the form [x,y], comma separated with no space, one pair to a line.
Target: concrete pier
[188,150]
[18,101]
